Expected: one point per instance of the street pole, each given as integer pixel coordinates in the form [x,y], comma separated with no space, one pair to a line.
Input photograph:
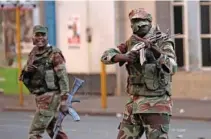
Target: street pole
[18,48]
[103,86]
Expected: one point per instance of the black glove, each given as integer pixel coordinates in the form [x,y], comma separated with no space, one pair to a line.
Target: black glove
[132,56]
[31,68]
[155,53]
[149,56]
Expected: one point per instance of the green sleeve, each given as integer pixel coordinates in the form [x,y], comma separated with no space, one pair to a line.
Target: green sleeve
[108,55]
[61,72]
[168,57]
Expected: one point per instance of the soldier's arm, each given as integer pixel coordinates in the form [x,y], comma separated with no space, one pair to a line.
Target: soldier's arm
[168,58]
[60,70]
[24,70]
[113,55]
[25,67]
[29,63]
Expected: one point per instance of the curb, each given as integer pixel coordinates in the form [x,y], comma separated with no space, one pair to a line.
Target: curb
[106,113]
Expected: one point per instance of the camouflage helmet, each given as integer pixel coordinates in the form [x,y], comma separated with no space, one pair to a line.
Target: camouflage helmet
[140,13]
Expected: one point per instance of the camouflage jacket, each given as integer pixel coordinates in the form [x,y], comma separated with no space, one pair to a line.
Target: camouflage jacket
[144,104]
[50,74]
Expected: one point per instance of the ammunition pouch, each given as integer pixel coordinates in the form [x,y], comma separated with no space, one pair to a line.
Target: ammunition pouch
[38,85]
[152,81]
[50,79]
[151,77]
[43,79]
[43,101]
[135,80]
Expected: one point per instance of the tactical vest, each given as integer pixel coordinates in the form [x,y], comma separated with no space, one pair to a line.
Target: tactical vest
[148,79]
[44,78]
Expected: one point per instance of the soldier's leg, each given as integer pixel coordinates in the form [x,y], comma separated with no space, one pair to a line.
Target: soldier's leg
[131,126]
[38,125]
[60,135]
[156,125]
[43,115]
[54,106]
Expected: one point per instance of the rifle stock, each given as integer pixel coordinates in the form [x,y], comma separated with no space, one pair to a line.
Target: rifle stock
[76,85]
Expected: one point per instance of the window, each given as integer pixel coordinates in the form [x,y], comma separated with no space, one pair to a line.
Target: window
[178,26]
[206,51]
[179,51]
[205,32]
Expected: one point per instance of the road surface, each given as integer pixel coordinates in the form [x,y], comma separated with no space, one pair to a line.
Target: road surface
[14,125]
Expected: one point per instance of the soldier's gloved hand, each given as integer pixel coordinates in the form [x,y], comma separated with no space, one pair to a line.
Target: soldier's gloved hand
[156,53]
[149,55]
[130,57]
[63,103]
[31,68]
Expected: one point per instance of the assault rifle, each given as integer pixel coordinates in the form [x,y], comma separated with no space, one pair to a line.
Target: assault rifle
[153,39]
[76,85]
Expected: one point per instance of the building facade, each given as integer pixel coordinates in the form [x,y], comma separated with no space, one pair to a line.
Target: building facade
[188,21]
[84,29]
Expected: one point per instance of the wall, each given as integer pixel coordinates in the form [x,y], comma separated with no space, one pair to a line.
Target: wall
[195,84]
[86,58]
[163,15]
[185,84]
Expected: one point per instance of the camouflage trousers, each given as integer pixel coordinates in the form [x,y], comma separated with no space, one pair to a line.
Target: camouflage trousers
[45,116]
[133,126]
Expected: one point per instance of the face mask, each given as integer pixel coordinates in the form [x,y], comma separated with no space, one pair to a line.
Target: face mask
[141,27]
[139,24]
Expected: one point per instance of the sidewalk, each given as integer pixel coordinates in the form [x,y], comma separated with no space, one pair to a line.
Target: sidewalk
[91,105]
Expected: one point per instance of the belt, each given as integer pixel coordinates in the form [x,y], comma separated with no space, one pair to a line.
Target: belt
[49,92]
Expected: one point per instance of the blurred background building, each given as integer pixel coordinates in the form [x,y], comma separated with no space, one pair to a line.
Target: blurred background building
[84,29]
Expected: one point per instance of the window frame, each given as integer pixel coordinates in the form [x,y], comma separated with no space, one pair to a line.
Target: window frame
[205,36]
[183,36]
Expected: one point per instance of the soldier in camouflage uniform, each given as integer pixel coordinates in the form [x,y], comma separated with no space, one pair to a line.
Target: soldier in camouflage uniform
[149,82]
[45,76]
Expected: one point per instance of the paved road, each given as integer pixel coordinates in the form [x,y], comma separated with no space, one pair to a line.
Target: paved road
[14,125]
